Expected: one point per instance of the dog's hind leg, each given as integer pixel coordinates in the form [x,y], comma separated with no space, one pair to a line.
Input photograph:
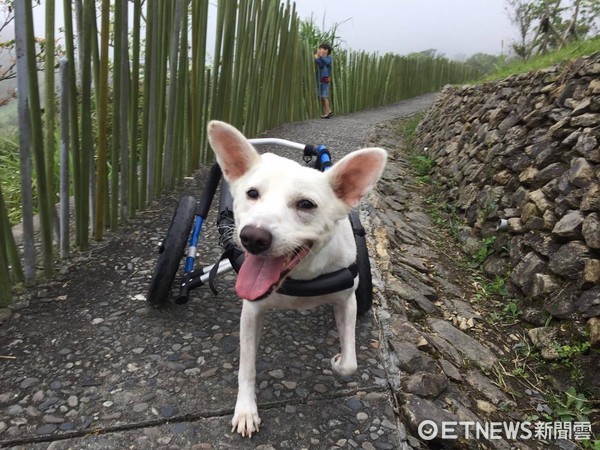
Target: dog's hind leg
[345,318]
[245,419]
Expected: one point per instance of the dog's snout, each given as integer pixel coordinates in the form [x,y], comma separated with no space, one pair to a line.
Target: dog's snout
[256,240]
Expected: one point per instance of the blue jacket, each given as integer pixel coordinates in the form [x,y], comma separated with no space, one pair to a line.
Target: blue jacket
[324,65]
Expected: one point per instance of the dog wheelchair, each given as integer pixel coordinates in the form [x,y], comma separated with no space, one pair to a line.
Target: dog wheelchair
[190,216]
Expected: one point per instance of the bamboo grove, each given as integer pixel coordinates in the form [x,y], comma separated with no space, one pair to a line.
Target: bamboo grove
[124,117]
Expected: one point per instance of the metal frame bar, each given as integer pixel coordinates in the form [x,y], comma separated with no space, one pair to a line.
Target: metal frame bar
[276,141]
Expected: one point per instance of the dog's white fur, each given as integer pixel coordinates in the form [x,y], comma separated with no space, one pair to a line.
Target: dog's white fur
[282,184]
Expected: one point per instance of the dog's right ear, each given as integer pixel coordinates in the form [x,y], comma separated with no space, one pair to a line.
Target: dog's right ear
[235,154]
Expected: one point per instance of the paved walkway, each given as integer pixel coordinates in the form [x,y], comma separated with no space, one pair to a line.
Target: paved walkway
[86,364]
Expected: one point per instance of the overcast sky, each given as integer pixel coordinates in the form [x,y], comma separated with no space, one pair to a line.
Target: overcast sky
[453,27]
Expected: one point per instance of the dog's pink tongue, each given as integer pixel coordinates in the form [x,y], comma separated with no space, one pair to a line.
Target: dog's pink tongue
[257,275]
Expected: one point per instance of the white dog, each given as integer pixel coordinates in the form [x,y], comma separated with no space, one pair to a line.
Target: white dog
[290,220]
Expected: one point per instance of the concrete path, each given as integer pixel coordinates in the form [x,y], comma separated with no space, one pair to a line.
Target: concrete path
[86,364]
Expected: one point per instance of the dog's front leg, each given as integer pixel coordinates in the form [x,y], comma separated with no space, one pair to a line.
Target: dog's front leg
[245,419]
[345,318]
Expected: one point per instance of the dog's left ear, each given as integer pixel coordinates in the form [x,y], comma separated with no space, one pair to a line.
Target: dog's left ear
[353,176]
[234,153]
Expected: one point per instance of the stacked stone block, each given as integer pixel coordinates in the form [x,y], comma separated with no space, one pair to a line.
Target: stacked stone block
[525,151]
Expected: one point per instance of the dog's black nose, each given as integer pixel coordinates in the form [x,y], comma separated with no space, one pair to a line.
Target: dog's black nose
[256,240]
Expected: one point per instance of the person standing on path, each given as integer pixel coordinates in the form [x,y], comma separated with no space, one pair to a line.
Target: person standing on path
[323,62]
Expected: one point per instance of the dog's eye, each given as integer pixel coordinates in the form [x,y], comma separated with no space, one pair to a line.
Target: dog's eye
[306,204]
[252,193]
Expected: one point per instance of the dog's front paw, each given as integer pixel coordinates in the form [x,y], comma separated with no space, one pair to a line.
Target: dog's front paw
[245,421]
[341,367]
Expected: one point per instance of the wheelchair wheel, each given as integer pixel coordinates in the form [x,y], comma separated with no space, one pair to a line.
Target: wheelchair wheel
[364,291]
[171,251]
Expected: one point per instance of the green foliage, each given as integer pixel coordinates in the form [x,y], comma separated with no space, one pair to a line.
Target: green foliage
[569,351]
[10,173]
[486,249]
[314,36]
[10,170]
[573,51]
[520,372]
[422,164]
[548,25]
[592,444]
[510,314]
[409,128]
[497,287]
[485,63]
[572,406]
[568,407]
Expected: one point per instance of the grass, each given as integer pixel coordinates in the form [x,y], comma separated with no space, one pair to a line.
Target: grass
[509,315]
[408,128]
[486,249]
[421,163]
[423,166]
[10,169]
[573,51]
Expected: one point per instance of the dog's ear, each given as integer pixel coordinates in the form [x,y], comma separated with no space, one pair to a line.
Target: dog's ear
[234,153]
[353,176]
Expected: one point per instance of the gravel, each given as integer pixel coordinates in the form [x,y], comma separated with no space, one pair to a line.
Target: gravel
[90,355]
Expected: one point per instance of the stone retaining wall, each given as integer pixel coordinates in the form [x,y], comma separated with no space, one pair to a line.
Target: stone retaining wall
[523,153]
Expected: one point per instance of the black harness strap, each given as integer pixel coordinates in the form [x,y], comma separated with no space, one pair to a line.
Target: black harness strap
[327,283]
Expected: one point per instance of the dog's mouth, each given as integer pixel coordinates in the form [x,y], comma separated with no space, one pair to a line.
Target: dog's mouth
[260,275]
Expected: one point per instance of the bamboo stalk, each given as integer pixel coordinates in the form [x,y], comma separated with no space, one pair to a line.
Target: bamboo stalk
[92,170]
[79,14]
[237,97]
[147,142]
[206,155]
[10,247]
[5,283]
[50,111]
[24,144]
[216,107]
[64,159]
[38,143]
[73,121]
[116,169]
[101,180]
[164,35]
[168,168]
[87,142]
[181,142]
[253,87]
[134,190]
[124,83]
[200,82]
[153,101]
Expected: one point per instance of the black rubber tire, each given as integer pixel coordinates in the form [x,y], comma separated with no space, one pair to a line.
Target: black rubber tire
[171,251]
[364,291]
